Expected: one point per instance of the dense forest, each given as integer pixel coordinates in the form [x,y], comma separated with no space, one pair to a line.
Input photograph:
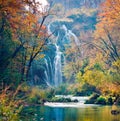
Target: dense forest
[58,48]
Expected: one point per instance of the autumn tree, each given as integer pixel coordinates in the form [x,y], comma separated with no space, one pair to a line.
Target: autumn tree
[106,41]
[107,34]
[23,35]
[35,36]
[10,14]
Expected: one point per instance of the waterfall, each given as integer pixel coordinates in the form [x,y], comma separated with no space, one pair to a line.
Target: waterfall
[53,71]
[47,72]
[58,66]
[69,34]
[75,37]
[46,76]
[65,29]
[48,28]
[46,63]
[53,64]
[53,68]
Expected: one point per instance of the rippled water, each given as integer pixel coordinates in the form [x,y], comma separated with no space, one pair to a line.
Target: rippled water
[78,113]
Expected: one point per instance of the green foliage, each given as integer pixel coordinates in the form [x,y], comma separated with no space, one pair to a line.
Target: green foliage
[97,66]
[36,95]
[50,93]
[87,89]
[62,99]
[6,45]
[101,100]
[9,67]
[96,75]
[62,90]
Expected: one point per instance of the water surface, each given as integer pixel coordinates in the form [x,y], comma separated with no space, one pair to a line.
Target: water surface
[80,113]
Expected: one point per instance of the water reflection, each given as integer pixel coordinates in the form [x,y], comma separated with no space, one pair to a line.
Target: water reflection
[89,113]
[58,113]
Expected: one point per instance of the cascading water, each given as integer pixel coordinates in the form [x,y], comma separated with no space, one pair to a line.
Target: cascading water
[69,33]
[53,71]
[58,67]
[75,37]
[47,72]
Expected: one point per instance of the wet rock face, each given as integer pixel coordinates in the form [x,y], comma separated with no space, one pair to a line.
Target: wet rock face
[79,3]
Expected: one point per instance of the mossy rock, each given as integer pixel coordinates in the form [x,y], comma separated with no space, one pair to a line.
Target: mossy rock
[75,101]
[101,100]
[92,99]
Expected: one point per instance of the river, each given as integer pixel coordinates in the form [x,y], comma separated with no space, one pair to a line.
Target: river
[70,112]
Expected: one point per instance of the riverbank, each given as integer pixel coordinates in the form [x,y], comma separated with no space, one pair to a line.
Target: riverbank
[93,99]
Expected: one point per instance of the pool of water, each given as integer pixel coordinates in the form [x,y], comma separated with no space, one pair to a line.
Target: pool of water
[66,113]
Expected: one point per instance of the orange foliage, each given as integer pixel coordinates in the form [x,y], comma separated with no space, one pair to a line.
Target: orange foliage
[110,14]
[19,17]
[107,29]
[111,87]
[11,10]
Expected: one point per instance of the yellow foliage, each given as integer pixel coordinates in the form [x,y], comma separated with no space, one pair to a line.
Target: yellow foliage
[37,92]
[116,65]
[9,107]
[94,77]
[79,77]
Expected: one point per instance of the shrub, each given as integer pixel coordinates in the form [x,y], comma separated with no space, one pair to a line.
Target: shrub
[61,90]
[86,90]
[57,99]
[109,101]
[92,99]
[101,100]
[36,95]
[9,106]
[50,93]
[39,96]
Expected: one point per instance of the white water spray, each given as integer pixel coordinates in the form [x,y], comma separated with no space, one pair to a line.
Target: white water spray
[58,67]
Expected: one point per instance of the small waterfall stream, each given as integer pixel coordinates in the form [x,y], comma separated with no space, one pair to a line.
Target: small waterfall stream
[58,67]
[69,34]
